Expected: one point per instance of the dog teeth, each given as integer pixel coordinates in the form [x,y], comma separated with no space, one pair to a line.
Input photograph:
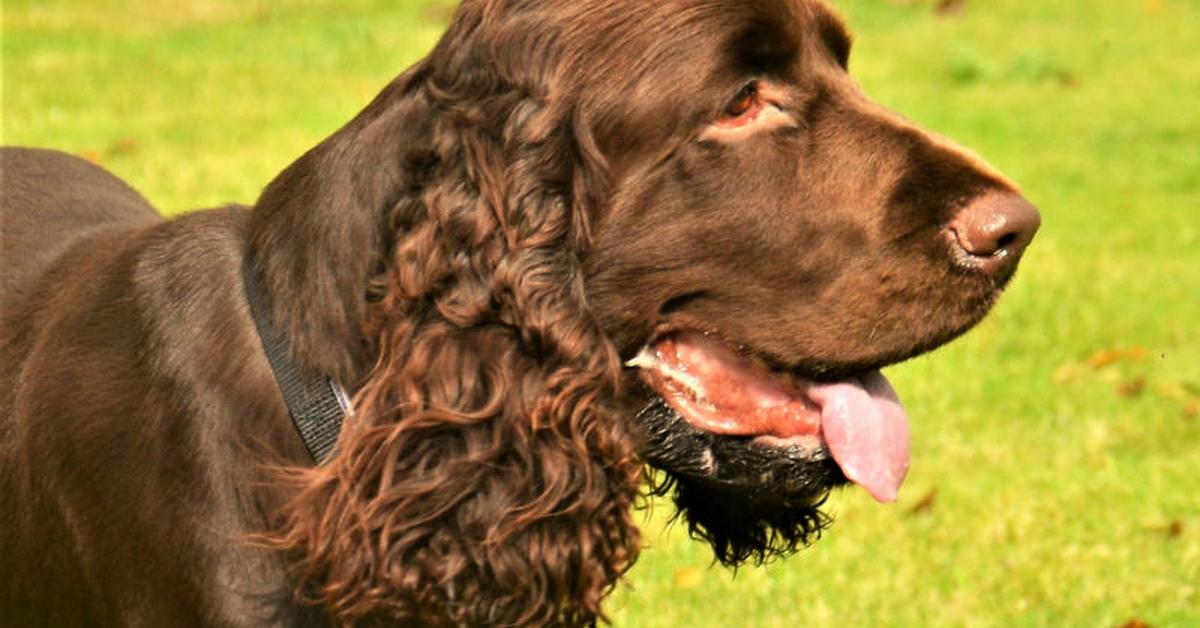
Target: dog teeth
[650,360]
[644,359]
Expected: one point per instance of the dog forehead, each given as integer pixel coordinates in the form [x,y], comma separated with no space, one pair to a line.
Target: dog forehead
[618,44]
[716,44]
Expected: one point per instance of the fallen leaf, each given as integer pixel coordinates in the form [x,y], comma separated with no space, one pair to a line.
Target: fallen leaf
[687,577]
[123,146]
[949,7]
[1191,410]
[1101,359]
[1068,79]
[1132,388]
[925,504]
[1107,357]
[1135,623]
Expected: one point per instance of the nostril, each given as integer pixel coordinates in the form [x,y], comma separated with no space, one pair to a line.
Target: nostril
[1006,240]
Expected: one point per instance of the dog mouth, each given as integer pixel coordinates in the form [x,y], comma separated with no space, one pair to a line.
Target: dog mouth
[779,419]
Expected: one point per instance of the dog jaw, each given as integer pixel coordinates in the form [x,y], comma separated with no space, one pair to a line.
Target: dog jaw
[721,391]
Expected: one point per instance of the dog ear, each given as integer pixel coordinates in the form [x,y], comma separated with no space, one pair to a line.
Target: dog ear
[317,231]
[484,477]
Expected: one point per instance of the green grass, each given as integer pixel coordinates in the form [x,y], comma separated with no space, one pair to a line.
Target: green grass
[1056,448]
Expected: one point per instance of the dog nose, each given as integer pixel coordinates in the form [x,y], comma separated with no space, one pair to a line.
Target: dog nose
[992,231]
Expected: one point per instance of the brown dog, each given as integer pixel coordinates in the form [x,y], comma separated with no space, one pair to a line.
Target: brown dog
[579,236]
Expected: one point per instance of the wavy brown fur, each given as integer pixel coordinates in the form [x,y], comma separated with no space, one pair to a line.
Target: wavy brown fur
[482,490]
[483,478]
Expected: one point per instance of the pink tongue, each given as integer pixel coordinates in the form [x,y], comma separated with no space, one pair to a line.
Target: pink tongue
[860,419]
[866,430]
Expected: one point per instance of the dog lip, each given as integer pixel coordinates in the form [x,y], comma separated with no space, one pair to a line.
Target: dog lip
[812,446]
[811,376]
[816,371]
[725,389]
[722,392]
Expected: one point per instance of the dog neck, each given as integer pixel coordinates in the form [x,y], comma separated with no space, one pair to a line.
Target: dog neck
[316,403]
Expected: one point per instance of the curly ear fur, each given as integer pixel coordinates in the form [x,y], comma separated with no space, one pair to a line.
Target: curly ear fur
[483,477]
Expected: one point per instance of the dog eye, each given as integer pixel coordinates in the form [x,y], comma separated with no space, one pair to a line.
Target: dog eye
[756,107]
[742,102]
[743,108]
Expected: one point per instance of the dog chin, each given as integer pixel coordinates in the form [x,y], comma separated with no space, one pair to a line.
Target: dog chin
[751,499]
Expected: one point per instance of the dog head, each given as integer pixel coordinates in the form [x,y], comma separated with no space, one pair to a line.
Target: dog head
[584,235]
[774,239]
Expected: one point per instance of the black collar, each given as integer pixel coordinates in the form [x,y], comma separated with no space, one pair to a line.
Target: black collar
[317,404]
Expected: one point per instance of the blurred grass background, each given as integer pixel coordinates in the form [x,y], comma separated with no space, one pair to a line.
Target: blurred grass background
[1056,448]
